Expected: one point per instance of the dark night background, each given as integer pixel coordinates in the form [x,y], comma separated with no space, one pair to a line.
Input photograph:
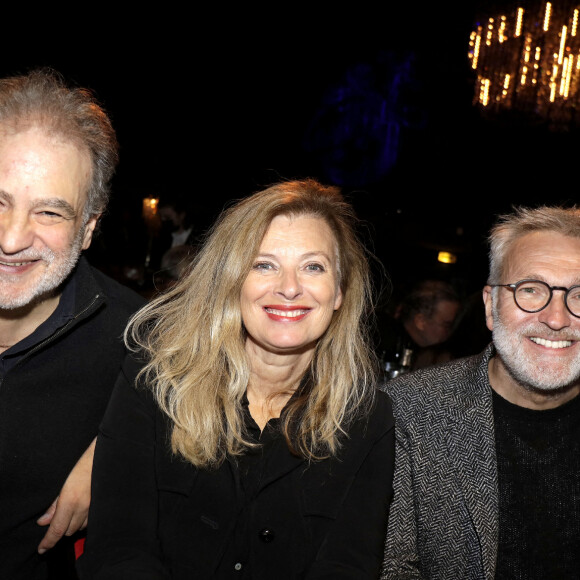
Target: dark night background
[219,102]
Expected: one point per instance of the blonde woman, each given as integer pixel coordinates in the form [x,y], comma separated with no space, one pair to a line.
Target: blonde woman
[255,444]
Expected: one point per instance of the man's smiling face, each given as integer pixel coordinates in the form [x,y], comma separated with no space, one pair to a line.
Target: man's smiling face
[541,350]
[43,184]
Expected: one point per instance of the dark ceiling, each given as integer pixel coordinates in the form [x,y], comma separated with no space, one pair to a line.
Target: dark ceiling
[378,101]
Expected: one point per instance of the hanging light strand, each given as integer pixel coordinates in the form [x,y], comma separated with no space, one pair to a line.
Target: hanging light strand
[529,60]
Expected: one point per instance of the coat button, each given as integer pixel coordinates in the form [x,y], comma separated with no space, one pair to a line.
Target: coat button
[238,567]
[266,535]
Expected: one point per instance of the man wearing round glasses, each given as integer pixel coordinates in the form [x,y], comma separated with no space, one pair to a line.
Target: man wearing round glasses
[487,478]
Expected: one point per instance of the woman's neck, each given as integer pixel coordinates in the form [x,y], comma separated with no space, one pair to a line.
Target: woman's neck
[273,379]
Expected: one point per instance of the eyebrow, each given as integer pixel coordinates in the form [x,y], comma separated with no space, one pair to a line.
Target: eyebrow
[306,256]
[576,281]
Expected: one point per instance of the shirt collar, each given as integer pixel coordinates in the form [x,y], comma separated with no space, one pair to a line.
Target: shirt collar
[61,315]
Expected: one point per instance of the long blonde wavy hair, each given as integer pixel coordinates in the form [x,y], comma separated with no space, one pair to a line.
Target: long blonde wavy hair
[193,337]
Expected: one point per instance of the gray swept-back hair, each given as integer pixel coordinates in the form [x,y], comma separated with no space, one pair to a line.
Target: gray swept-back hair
[42,99]
[511,227]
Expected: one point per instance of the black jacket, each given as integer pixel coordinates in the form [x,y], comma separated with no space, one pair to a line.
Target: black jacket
[155,516]
[51,403]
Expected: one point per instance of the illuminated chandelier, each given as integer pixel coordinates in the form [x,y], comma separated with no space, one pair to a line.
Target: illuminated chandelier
[529,61]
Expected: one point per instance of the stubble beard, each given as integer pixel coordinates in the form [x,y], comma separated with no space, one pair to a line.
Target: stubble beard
[528,371]
[59,265]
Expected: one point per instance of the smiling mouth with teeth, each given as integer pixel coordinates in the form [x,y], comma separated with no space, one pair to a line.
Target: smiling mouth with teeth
[14,264]
[286,313]
[551,343]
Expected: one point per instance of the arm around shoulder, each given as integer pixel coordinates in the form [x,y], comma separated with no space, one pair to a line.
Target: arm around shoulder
[122,531]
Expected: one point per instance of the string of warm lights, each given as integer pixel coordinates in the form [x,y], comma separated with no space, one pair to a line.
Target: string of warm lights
[529,60]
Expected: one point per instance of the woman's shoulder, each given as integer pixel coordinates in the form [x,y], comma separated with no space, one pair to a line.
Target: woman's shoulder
[382,409]
[382,401]
[131,392]
[375,418]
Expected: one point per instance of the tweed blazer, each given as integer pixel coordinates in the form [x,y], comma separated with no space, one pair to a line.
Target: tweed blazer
[444,520]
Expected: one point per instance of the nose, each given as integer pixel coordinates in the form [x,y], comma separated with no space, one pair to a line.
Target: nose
[289,285]
[556,315]
[15,233]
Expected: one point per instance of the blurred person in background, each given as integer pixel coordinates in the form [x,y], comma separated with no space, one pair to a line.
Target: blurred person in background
[416,335]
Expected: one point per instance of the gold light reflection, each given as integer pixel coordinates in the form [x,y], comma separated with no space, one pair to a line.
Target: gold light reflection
[150,207]
[529,60]
[446,257]
[519,19]
[547,13]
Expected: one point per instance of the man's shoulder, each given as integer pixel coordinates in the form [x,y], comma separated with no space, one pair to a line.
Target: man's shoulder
[441,385]
[114,289]
[120,298]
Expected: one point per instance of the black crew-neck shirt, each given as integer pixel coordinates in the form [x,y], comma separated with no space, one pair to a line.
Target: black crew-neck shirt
[538,457]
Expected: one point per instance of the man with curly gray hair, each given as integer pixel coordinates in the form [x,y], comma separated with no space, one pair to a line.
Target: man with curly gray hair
[60,319]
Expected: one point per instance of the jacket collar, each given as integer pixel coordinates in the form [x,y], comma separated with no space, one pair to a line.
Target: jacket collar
[470,441]
[87,291]
[80,296]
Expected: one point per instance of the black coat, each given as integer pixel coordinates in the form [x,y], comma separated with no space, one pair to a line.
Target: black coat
[51,404]
[154,516]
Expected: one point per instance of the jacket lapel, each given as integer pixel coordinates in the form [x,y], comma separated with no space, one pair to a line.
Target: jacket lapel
[471,444]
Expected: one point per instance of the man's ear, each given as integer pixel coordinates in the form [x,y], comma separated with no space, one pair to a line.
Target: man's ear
[488,302]
[89,230]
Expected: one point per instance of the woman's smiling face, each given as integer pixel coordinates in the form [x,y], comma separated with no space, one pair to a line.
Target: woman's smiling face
[292,290]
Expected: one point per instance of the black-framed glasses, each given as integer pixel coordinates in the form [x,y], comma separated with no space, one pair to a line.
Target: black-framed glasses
[535,295]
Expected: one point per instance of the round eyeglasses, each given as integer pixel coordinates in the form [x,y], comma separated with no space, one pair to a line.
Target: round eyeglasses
[535,295]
